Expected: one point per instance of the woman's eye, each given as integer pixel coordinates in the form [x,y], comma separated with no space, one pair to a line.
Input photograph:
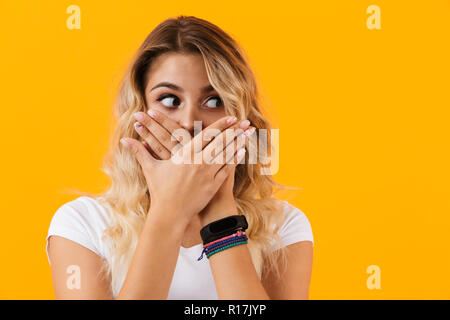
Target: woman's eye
[216,102]
[169,100]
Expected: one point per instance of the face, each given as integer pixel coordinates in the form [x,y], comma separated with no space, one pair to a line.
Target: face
[178,86]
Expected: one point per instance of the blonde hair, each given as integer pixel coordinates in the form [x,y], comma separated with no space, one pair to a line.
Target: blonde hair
[128,199]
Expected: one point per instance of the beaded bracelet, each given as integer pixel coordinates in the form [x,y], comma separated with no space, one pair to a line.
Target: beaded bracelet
[208,247]
[222,244]
[225,247]
[239,236]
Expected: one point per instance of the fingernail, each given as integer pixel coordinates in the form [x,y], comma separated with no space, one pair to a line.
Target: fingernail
[139,116]
[124,142]
[137,125]
[151,113]
[244,124]
[231,120]
[249,132]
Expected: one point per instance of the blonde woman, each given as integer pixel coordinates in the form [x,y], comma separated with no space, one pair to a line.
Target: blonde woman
[140,239]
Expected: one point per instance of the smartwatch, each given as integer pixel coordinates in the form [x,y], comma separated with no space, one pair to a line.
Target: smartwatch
[223,227]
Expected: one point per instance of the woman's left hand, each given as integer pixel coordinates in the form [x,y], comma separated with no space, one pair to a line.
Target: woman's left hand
[156,134]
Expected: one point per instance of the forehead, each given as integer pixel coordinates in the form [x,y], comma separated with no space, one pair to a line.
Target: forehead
[185,70]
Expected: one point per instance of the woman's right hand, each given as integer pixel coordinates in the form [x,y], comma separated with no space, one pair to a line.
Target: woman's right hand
[181,187]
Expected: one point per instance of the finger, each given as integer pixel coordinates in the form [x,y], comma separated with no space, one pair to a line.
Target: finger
[159,132]
[209,134]
[221,143]
[204,137]
[179,135]
[150,150]
[139,151]
[229,155]
[226,169]
[158,149]
[166,123]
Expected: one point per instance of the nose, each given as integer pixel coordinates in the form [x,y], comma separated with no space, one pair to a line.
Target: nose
[186,118]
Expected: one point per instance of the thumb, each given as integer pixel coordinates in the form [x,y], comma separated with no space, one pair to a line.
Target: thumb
[141,153]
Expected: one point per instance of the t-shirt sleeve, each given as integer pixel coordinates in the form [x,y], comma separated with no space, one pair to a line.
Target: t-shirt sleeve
[72,221]
[296,226]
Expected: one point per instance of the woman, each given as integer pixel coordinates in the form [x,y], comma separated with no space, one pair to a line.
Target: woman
[141,238]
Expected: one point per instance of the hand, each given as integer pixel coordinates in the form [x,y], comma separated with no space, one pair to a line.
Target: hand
[157,130]
[191,185]
[223,203]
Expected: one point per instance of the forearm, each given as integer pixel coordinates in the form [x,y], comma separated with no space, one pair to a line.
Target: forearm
[235,276]
[233,270]
[152,267]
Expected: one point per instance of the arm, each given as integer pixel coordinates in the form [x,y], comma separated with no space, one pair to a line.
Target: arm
[180,198]
[150,273]
[294,283]
[234,274]
[151,270]
[64,253]
[236,278]
[233,270]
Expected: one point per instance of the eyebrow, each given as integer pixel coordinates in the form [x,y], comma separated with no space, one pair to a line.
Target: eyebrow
[177,88]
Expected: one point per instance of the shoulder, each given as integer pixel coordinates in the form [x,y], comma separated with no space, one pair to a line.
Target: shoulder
[82,220]
[85,211]
[296,226]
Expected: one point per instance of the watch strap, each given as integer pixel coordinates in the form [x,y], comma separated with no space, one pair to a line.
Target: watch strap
[223,227]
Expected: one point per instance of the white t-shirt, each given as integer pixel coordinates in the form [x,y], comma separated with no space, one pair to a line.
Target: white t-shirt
[84,219]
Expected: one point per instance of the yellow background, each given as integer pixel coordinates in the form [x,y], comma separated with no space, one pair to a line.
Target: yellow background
[363,117]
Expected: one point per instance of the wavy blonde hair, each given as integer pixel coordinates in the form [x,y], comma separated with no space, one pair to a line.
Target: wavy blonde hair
[128,200]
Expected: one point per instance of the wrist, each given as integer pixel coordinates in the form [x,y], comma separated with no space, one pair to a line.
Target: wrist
[218,212]
[167,220]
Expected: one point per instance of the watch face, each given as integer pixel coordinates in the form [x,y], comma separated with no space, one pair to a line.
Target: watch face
[223,225]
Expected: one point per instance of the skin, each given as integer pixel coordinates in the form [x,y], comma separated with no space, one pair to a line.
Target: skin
[181,205]
[189,73]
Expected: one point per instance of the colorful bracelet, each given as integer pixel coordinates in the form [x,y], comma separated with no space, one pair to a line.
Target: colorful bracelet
[222,244]
[223,241]
[226,247]
[239,236]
